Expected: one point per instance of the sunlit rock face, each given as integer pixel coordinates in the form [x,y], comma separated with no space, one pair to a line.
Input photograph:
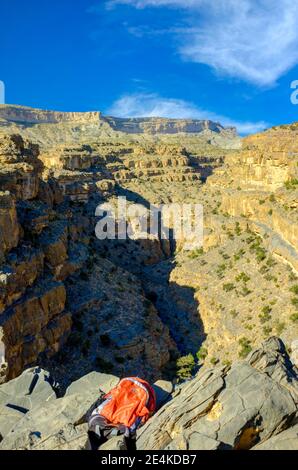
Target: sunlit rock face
[76,304]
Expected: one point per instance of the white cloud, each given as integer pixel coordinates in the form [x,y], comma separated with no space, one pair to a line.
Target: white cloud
[254,40]
[155,3]
[153,105]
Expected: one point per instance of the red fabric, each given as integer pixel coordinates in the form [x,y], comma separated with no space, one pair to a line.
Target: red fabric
[129,401]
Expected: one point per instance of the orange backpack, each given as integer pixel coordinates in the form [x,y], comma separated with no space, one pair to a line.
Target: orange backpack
[130,403]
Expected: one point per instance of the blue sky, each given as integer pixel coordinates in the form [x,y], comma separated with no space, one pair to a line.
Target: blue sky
[227,60]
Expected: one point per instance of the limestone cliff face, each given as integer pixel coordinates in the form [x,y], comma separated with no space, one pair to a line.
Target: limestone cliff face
[260,183]
[149,126]
[275,218]
[267,162]
[49,273]
[25,116]
[10,230]
[33,318]
[166,126]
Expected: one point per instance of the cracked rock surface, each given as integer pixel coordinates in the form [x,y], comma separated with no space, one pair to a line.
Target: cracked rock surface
[250,404]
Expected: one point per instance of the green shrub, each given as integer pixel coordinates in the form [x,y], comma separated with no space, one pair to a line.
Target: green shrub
[291,184]
[266,309]
[294,317]
[228,287]
[246,348]
[267,330]
[196,253]
[214,361]
[294,289]
[239,254]
[242,277]
[185,366]
[270,262]
[245,291]
[292,277]
[257,249]
[220,270]
[234,313]
[202,353]
[279,327]
[260,254]
[265,315]
[227,362]
[238,230]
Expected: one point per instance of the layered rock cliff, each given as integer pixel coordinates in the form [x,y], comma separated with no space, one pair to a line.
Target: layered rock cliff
[51,276]
[47,127]
[74,304]
[260,184]
[25,115]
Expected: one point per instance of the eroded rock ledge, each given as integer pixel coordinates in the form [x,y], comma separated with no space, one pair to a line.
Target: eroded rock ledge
[249,405]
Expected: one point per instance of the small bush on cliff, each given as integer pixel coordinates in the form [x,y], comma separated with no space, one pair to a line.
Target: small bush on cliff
[196,253]
[265,315]
[257,248]
[267,330]
[202,353]
[279,327]
[239,254]
[185,367]
[242,277]
[294,317]
[220,270]
[228,287]
[245,347]
[245,291]
[270,262]
[214,361]
[294,289]
[238,230]
[291,184]
[272,198]
[234,313]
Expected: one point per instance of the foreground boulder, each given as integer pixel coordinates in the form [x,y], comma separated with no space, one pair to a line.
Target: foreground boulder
[18,397]
[59,423]
[230,408]
[252,404]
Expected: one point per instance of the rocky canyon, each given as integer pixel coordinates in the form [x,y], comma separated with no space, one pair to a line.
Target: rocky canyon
[214,327]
